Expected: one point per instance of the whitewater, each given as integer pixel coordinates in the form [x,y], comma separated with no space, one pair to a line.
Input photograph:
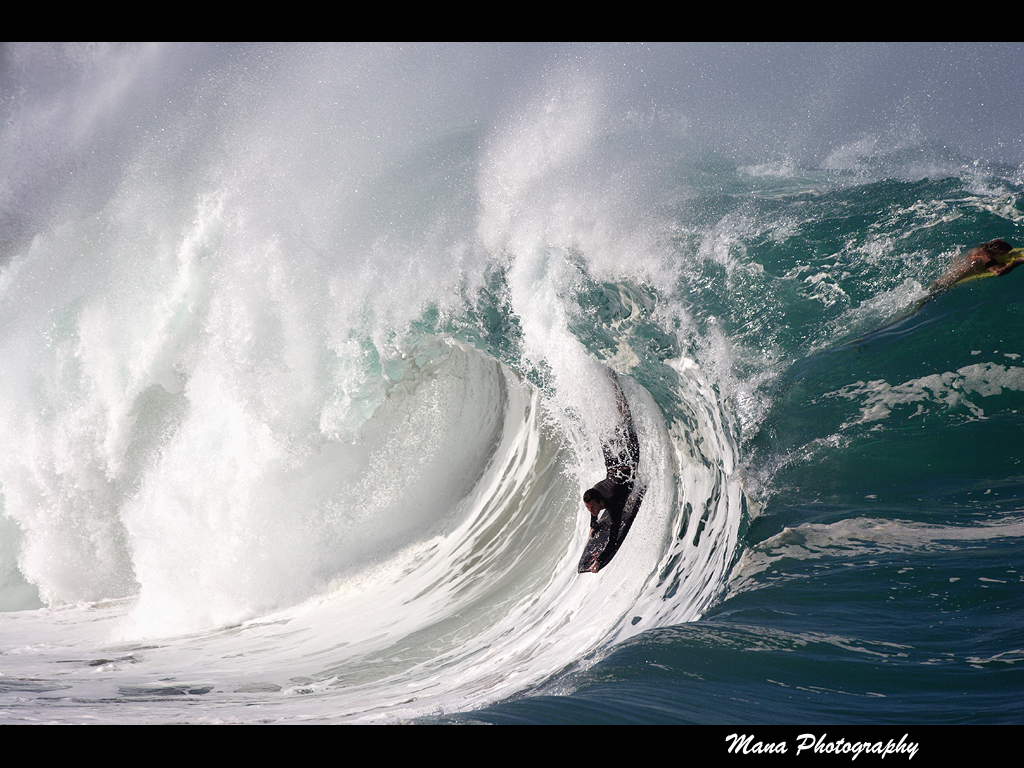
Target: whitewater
[304,375]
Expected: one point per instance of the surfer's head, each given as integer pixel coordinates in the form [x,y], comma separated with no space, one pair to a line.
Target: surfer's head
[992,250]
[593,501]
[997,247]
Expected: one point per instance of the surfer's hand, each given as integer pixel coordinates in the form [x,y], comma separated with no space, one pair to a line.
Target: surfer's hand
[1002,269]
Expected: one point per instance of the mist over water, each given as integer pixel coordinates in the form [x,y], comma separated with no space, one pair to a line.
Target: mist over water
[304,349]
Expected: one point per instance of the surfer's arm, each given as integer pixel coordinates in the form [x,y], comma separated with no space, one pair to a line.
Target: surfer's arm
[1002,269]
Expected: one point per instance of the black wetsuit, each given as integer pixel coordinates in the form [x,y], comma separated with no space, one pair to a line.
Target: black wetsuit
[621,456]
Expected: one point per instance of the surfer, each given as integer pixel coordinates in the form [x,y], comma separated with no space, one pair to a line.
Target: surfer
[609,496]
[996,257]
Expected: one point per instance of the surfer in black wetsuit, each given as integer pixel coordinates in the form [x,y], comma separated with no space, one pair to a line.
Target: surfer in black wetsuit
[621,456]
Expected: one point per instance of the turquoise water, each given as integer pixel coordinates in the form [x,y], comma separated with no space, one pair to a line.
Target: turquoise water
[303,380]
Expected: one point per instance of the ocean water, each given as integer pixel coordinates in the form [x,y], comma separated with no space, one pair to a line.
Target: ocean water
[303,354]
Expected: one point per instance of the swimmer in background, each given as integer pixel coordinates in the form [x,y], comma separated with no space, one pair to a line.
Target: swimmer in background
[995,257]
